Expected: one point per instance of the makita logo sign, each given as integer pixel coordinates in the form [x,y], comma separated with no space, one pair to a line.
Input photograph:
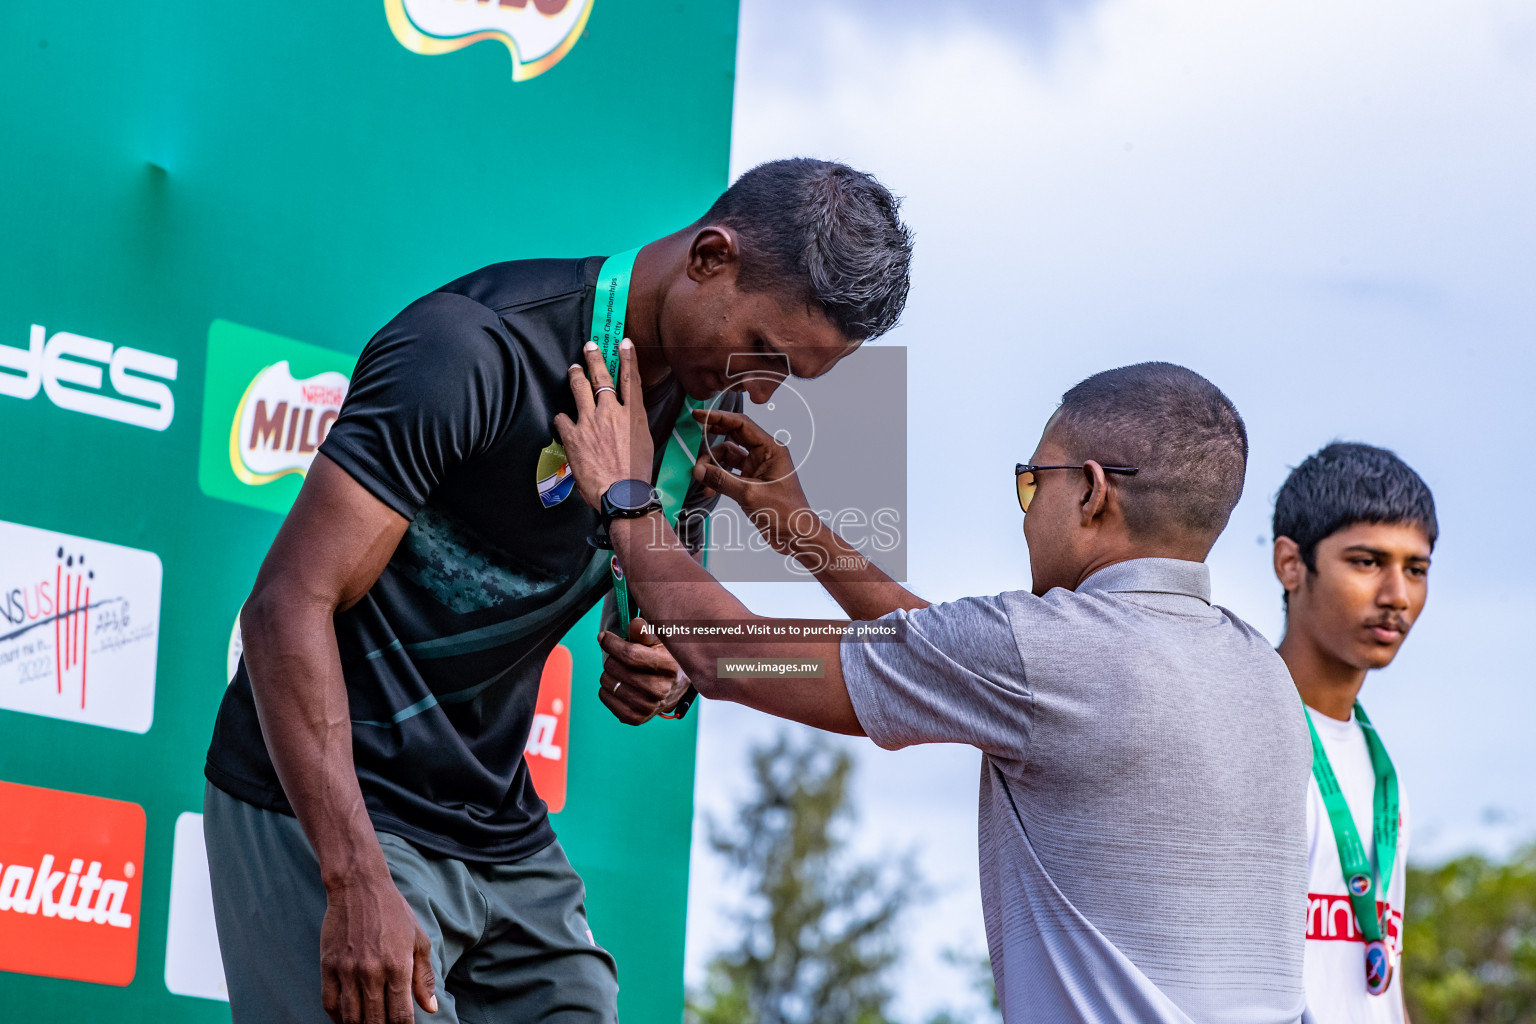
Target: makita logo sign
[548,748]
[79,628]
[70,881]
[85,897]
[91,376]
[281,421]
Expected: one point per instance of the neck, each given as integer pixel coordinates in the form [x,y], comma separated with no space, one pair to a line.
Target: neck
[1103,562]
[1184,549]
[1327,685]
[656,266]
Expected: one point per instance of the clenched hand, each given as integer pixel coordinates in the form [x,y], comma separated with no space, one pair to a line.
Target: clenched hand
[640,678]
[374,957]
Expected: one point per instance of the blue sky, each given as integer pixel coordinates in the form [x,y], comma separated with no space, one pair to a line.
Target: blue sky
[1326,209]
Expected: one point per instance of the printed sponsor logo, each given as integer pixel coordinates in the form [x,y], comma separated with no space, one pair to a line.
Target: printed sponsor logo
[553,475]
[547,748]
[538,33]
[281,421]
[1331,917]
[268,404]
[68,368]
[193,966]
[69,884]
[79,628]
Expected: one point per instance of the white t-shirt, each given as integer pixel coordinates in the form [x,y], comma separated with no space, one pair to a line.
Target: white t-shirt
[1335,959]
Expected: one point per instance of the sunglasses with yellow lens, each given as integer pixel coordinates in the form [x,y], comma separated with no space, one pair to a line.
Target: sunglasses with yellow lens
[1024,475]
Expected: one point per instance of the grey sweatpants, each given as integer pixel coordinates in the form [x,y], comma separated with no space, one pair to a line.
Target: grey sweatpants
[509,941]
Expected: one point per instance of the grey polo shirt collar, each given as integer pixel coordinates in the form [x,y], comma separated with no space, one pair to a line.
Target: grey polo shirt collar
[1152,576]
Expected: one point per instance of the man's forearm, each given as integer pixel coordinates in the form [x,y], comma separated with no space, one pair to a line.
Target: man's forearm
[301,702]
[671,586]
[858,585]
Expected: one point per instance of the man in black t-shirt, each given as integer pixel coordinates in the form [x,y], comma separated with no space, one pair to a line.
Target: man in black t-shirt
[373,835]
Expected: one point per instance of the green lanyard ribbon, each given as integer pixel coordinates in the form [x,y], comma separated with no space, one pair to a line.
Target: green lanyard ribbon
[1359,875]
[609,308]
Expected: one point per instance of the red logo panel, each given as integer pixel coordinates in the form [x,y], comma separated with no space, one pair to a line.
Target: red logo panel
[548,739]
[1331,917]
[70,877]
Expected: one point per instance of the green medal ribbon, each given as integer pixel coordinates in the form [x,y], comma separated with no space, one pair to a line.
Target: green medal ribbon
[609,308]
[1360,875]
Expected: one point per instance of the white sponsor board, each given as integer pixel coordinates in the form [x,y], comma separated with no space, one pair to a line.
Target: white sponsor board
[193,966]
[235,650]
[79,628]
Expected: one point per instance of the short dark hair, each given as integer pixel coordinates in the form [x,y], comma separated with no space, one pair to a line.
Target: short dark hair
[825,233]
[1183,435]
[1347,483]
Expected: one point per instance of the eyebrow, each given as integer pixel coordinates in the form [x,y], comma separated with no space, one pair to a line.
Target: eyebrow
[1381,552]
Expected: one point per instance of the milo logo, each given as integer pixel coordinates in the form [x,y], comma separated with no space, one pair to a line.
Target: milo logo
[281,421]
[538,33]
[268,404]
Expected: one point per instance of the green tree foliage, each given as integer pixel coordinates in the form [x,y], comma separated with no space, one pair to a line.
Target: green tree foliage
[979,970]
[1469,943]
[818,939]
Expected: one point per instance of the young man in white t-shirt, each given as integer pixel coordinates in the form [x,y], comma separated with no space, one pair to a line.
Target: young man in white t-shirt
[1354,530]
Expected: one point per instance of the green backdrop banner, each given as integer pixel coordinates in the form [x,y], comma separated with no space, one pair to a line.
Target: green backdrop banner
[209,209]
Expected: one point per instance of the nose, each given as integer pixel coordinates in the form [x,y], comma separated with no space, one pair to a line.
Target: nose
[1394,590]
[760,389]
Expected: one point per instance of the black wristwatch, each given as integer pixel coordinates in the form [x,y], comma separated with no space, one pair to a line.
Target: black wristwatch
[626,499]
[629,499]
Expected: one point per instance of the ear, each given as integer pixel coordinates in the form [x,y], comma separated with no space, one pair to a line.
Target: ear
[714,252]
[1289,568]
[1096,499]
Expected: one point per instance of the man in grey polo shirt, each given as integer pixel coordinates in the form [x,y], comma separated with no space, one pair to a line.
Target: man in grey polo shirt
[1145,759]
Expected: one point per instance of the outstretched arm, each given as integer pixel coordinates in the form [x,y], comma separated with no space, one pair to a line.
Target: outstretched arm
[607,439]
[672,586]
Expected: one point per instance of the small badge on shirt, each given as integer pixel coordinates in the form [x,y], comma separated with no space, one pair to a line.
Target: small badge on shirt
[553,475]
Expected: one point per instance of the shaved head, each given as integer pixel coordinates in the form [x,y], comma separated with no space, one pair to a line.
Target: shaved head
[1183,435]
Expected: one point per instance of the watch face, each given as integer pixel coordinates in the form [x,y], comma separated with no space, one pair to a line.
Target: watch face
[630,495]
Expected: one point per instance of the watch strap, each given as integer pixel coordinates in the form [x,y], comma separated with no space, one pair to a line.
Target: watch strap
[680,709]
